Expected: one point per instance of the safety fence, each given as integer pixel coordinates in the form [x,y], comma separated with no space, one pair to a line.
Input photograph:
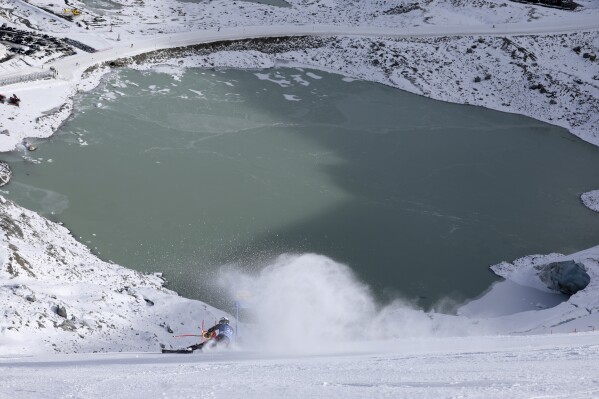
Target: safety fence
[27,78]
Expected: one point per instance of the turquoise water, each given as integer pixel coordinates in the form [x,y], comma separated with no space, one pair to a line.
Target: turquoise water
[183,174]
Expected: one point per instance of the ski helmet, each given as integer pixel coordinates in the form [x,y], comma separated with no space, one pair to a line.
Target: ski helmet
[223,320]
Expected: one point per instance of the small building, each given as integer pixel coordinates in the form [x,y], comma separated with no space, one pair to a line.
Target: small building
[2,51]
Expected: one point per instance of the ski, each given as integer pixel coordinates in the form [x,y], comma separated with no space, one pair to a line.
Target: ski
[183,350]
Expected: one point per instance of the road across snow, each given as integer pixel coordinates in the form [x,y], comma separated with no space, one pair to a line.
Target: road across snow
[547,366]
[66,67]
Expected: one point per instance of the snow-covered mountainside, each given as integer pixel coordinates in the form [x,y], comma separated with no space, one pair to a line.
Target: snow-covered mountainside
[58,297]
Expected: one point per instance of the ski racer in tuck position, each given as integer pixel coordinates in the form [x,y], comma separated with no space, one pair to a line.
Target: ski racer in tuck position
[220,334]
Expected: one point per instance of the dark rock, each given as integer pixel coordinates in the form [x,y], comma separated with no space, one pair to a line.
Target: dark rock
[567,277]
[61,311]
[30,298]
[402,9]
[67,325]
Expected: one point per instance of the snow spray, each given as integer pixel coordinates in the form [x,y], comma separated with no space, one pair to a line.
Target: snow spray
[310,303]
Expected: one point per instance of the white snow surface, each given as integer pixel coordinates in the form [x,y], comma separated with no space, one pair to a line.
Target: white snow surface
[498,367]
[107,308]
[591,200]
[518,340]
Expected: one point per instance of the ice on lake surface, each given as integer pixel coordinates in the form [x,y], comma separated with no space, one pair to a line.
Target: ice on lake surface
[185,173]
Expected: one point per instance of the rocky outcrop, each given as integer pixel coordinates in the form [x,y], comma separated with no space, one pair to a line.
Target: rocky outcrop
[5,173]
[567,277]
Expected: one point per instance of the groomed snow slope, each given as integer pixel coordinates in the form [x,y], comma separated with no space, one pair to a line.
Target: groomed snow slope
[547,366]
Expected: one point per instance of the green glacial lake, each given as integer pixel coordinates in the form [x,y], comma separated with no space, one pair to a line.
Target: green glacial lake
[182,174]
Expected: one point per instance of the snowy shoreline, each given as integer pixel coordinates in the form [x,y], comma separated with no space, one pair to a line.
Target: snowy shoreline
[444,68]
[394,62]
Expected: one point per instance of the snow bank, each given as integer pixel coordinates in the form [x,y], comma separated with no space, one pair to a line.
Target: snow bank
[59,297]
[591,200]
[580,312]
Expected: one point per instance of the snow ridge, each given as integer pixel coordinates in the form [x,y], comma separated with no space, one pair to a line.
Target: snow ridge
[59,297]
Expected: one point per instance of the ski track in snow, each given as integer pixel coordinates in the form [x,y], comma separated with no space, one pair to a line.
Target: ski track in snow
[551,366]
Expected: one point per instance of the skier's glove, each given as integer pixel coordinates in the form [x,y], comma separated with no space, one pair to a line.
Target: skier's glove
[206,335]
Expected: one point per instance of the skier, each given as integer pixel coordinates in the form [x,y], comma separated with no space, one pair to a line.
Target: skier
[220,334]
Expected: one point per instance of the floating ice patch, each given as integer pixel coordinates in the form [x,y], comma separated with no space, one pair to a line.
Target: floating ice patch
[313,75]
[152,87]
[174,71]
[119,84]
[109,96]
[280,80]
[199,93]
[300,80]
[50,202]
[348,79]
[591,200]
[291,97]
[233,98]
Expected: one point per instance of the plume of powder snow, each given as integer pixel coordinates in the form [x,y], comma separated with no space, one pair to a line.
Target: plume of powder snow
[310,303]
